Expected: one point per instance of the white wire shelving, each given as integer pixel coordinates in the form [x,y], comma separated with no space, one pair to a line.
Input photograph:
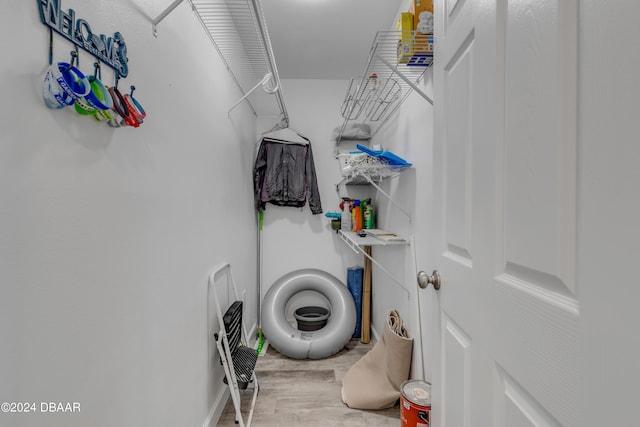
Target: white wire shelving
[363,175]
[238,31]
[358,244]
[371,176]
[388,78]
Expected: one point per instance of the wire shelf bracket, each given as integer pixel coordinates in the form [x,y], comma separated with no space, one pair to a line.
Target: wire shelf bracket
[358,177]
[349,238]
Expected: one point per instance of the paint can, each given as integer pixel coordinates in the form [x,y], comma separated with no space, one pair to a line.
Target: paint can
[415,403]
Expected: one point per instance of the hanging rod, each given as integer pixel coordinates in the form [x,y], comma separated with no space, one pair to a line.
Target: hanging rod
[238,31]
[262,26]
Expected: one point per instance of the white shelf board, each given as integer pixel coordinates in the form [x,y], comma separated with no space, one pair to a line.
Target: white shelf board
[352,239]
[358,243]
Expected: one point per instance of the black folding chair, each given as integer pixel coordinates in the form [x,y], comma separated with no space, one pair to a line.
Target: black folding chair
[238,360]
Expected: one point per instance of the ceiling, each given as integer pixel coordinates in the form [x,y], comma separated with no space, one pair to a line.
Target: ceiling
[325,39]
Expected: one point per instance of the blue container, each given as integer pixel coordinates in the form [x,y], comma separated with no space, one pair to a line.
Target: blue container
[354,283]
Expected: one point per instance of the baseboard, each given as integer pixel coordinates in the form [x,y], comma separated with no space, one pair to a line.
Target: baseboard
[216,409]
[253,334]
[376,335]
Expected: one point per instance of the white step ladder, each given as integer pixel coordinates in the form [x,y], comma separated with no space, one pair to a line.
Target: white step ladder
[236,357]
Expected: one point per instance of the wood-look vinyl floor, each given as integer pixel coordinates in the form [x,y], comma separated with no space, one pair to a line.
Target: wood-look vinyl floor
[307,393]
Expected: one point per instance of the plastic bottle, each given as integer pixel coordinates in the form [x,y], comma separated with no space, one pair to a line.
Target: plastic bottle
[373,79]
[356,216]
[345,218]
[368,214]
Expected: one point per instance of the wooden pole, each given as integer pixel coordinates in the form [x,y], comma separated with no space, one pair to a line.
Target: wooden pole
[365,337]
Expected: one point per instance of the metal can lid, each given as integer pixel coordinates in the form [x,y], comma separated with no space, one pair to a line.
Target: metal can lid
[417,392]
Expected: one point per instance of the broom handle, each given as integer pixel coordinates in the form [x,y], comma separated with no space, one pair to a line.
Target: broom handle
[366,298]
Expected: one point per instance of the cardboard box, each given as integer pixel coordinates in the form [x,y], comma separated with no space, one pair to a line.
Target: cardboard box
[405,40]
[422,51]
[422,11]
[423,25]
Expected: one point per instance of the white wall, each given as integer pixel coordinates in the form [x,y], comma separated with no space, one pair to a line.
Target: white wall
[107,236]
[294,238]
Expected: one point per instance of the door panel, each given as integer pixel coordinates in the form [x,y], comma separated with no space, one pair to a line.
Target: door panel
[504,209]
[456,368]
[537,346]
[537,327]
[538,172]
[451,9]
[457,155]
[517,408]
[530,158]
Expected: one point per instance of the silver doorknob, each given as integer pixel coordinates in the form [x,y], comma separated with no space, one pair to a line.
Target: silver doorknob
[424,279]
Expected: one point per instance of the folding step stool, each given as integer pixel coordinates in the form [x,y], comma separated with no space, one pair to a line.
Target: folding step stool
[238,360]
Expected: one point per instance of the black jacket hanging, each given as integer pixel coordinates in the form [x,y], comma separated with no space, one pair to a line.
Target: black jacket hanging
[285,175]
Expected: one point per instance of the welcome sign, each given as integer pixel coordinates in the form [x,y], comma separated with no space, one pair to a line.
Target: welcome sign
[110,50]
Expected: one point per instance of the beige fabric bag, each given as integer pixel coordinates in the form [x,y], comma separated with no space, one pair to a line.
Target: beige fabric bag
[373,382]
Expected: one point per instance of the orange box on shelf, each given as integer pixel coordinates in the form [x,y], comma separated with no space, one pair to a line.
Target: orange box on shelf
[422,11]
[423,25]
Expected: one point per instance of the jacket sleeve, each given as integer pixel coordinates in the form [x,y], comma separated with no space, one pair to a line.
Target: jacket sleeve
[312,184]
[259,171]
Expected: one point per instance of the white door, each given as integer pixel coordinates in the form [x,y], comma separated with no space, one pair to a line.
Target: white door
[514,336]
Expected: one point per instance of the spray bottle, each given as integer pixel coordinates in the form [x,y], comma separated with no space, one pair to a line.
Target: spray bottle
[345,218]
[356,216]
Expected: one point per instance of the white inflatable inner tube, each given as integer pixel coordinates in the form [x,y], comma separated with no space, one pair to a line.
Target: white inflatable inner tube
[308,344]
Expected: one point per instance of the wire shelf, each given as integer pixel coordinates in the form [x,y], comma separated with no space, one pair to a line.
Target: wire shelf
[238,31]
[356,167]
[363,175]
[233,26]
[397,62]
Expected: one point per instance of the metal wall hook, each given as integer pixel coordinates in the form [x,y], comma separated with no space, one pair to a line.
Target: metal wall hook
[73,60]
[132,89]
[97,72]
[50,46]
